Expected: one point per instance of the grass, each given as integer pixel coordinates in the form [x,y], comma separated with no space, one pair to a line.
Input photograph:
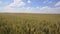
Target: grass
[29,23]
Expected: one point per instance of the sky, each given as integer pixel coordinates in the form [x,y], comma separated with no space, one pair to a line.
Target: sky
[30,6]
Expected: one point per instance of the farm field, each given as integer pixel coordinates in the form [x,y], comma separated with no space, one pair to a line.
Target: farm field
[29,23]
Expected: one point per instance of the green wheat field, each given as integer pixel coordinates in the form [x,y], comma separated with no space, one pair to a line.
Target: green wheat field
[29,23]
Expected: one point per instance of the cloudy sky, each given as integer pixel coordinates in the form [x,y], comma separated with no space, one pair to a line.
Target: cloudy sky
[30,6]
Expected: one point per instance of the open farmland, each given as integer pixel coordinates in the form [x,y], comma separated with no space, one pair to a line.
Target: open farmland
[29,23]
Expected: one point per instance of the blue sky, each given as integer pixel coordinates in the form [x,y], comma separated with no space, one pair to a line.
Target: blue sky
[30,6]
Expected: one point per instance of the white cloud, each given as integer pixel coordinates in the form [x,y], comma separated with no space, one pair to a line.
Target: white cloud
[45,10]
[28,7]
[47,1]
[29,1]
[37,7]
[0,1]
[50,10]
[17,3]
[4,9]
[58,4]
